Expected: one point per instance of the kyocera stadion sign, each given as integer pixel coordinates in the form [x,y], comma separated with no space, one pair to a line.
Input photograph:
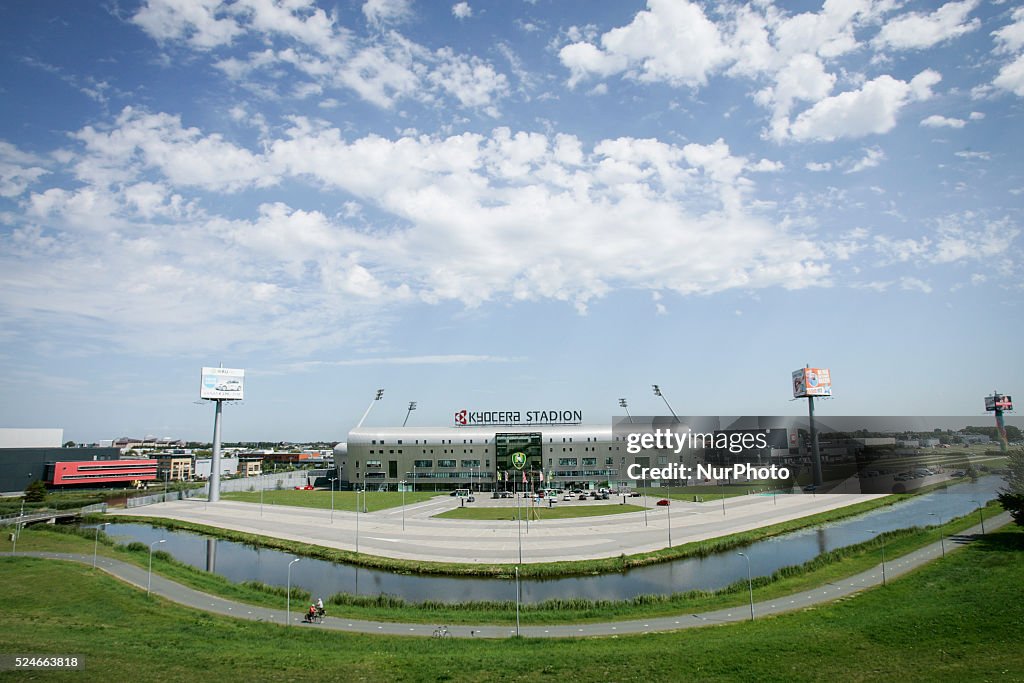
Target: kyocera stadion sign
[485,418]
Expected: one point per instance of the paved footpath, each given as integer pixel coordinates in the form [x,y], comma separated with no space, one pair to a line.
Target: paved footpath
[189,597]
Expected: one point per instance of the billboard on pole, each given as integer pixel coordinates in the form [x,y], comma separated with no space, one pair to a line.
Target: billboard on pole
[812,382]
[222,383]
[998,402]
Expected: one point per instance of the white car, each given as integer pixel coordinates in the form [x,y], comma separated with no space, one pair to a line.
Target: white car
[229,385]
[567,496]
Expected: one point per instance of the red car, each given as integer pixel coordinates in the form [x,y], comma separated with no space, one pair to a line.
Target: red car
[304,488]
[664,501]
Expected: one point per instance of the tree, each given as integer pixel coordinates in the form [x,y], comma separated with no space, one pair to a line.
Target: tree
[1011,496]
[70,444]
[35,492]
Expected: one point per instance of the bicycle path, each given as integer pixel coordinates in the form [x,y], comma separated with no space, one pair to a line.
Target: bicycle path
[189,597]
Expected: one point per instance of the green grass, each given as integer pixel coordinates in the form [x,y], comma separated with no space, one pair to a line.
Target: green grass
[542,512]
[949,621]
[343,500]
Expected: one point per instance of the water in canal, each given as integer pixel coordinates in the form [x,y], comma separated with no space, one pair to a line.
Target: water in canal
[239,562]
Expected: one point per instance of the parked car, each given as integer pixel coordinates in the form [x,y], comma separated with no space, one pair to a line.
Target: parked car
[635,494]
[471,499]
[605,496]
[567,496]
[664,501]
[583,496]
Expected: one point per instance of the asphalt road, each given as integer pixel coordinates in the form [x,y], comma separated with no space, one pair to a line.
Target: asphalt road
[189,597]
[428,538]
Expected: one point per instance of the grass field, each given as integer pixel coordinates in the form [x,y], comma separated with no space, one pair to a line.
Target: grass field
[560,511]
[343,500]
[951,620]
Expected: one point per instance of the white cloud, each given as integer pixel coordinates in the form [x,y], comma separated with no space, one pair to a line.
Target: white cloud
[202,23]
[872,157]
[817,167]
[870,110]
[1010,38]
[474,82]
[915,284]
[937,121]
[379,12]
[18,170]
[671,41]
[462,10]
[1011,77]
[914,31]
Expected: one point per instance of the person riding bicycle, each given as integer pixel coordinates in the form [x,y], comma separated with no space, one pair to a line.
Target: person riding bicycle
[311,613]
[320,607]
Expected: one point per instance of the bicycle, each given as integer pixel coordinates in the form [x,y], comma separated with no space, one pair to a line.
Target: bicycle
[442,632]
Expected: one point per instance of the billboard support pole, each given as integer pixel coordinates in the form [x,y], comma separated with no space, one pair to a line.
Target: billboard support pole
[214,494]
[815,453]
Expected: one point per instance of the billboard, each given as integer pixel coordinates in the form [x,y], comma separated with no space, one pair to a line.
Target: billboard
[998,402]
[812,382]
[222,384]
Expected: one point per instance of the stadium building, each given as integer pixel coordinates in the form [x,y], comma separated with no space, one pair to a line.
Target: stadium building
[479,457]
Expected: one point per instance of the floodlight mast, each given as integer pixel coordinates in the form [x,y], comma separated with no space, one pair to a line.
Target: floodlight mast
[412,407]
[378,396]
[657,392]
[625,406]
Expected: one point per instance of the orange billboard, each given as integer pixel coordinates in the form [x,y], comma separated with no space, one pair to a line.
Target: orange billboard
[812,382]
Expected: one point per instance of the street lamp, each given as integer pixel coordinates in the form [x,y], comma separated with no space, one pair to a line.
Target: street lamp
[657,392]
[357,517]
[625,406]
[96,542]
[942,535]
[750,585]
[981,511]
[149,580]
[403,484]
[333,481]
[881,536]
[668,509]
[288,620]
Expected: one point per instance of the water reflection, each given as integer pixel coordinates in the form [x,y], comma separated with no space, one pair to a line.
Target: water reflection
[239,562]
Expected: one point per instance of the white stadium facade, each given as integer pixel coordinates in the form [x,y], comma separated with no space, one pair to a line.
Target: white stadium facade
[480,457]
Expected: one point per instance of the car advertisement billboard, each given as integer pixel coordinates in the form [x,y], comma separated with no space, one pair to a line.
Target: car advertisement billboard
[222,384]
[812,382]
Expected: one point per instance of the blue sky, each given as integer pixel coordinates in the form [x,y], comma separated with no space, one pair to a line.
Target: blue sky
[504,205]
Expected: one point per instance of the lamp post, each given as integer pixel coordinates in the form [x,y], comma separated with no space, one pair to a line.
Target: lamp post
[517,599]
[96,543]
[981,511]
[357,518]
[871,531]
[149,580]
[288,619]
[657,392]
[644,483]
[333,482]
[668,509]
[412,407]
[625,406]
[942,535]
[403,484]
[750,585]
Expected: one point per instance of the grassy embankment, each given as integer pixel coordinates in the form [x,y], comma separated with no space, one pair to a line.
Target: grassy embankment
[344,501]
[950,620]
[819,571]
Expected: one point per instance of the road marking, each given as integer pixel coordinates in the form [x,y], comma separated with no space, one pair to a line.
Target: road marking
[388,540]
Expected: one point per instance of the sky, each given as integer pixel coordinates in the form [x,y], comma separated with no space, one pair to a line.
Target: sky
[509,205]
